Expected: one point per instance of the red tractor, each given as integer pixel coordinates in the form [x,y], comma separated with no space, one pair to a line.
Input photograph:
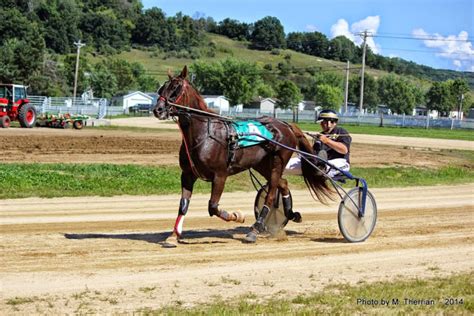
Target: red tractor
[14,105]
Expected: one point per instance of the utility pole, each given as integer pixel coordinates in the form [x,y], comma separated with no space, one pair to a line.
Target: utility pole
[461,97]
[346,91]
[361,99]
[78,45]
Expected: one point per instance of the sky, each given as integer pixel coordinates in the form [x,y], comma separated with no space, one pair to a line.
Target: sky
[436,33]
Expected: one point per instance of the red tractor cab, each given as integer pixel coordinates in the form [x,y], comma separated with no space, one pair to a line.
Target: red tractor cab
[14,105]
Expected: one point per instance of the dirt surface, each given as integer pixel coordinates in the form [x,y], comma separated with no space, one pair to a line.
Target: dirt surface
[105,255]
[67,255]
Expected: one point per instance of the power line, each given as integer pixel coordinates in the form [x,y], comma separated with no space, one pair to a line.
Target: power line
[423,38]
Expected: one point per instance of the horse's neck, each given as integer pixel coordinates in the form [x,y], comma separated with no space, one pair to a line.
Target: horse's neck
[192,99]
[193,128]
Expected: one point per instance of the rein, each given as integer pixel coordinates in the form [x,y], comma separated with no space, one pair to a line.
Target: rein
[189,109]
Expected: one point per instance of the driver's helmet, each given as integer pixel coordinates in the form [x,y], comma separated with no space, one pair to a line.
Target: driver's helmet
[327,115]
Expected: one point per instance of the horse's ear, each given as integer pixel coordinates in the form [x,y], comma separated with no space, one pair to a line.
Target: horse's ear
[169,74]
[184,73]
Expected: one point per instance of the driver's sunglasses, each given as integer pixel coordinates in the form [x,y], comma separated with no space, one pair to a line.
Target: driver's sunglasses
[330,120]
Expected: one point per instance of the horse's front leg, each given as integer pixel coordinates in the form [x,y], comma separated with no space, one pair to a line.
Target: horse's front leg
[217,188]
[187,183]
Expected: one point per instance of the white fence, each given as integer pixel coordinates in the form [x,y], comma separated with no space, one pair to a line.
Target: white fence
[94,107]
[98,108]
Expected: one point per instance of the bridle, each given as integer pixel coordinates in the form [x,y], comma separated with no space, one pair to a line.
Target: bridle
[170,102]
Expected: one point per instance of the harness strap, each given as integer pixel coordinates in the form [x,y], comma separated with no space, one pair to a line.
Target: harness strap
[191,163]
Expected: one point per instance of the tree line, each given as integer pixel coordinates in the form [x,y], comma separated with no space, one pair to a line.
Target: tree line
[37,47]
[242,81]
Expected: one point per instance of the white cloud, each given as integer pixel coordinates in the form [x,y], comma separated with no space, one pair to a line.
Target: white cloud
[456,48]
[311,28]
[370,23]
[342,28]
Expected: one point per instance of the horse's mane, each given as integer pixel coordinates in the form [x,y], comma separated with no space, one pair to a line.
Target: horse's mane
[192,98]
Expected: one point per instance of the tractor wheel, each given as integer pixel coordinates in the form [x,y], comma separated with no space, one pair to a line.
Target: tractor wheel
[27,116]
[5,121]
[78,124]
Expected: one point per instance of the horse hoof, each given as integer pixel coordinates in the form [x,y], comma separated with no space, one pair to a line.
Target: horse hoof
[167,244]
[297,217]
[239,217]
[251,237]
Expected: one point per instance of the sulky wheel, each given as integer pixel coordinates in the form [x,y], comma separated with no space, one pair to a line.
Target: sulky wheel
[353,227]
[27,115]
[276,219]
[5,121]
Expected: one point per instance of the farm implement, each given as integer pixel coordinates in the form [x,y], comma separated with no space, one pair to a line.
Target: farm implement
[60,120]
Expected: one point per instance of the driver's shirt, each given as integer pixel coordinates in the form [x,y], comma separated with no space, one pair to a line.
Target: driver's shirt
[339,135]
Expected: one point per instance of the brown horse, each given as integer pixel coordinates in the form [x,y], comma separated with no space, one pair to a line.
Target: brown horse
[209,151]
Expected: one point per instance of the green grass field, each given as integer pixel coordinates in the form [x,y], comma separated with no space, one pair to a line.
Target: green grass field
[459,134]
[452,295]
[56,180]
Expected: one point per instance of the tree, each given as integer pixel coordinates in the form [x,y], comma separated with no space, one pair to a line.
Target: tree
[60,21]
[104,31]
[268,34]
[22,47]
[102,81]
[314,43]
[329,97]
[371,92]
[439,98]
[288,94]
[235,79]
[459,91]
[233,29]
[398,94]
[69,68]
[341,48]
[154,29]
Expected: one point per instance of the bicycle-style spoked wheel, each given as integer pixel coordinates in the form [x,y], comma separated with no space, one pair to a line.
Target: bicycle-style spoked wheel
[276,219]
[353,227]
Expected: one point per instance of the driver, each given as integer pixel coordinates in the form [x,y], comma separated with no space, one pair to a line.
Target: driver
[333,144]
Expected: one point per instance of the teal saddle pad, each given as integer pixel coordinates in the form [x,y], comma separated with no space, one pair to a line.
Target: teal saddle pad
[251,126]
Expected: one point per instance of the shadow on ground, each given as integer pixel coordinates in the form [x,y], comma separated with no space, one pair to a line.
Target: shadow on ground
[189,236]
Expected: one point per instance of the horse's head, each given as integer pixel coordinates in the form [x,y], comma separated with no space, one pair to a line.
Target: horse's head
[171,92]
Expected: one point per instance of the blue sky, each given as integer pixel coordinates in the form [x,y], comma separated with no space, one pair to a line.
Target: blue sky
[436,33]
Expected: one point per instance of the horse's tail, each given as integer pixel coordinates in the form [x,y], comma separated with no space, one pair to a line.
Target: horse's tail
[315,179]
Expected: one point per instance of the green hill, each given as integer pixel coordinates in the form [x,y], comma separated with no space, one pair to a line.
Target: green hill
[157,63]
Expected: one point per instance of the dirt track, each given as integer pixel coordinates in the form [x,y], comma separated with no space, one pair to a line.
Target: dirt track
[95,254]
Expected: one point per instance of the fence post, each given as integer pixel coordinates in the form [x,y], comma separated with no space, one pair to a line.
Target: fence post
[427,121]
[403,120]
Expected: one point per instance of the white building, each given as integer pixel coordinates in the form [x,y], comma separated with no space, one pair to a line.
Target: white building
[219,102]
[133,99]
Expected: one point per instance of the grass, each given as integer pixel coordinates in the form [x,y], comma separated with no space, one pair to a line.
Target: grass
[452,295]
[449,295]
[57,180]
[400,131]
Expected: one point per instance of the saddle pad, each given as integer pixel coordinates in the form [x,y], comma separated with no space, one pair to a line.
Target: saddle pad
[244,127]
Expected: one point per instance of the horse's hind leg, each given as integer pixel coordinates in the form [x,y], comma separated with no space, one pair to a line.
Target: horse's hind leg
[287,205]
[217,188]
[187,183]
[259,226]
